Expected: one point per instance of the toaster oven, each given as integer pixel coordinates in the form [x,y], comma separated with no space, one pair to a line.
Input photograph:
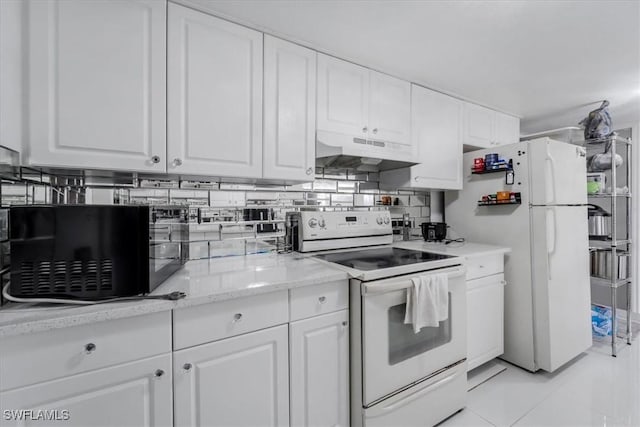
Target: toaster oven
[94,252]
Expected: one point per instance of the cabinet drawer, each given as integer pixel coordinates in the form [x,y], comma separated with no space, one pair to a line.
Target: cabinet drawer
[484,265]
[42,356]
[211,322]
[315,300]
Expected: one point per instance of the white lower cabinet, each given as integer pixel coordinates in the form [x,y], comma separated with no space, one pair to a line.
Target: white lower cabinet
[238,381]
[130,394]
[485,319]
[319,357]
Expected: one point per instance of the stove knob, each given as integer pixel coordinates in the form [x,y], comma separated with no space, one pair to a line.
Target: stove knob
[321,223]
[313,223]
[379,220]
[387,220]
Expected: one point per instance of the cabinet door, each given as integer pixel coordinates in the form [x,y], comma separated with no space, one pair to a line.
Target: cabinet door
[11,74]
[343,97]
[485,319]
[289,111]
[507,129]
[214,96]
[97,84]
[239,381]
[319,353]
[132,394]
[436,126]
[478,125]
[389,108]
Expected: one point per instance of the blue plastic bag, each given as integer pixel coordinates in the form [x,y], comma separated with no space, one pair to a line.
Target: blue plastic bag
[601,321]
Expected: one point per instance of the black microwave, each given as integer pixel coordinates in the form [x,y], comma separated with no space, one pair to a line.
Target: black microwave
[94,252]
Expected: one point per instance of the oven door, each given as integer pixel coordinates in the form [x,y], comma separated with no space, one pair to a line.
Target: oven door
[393,355]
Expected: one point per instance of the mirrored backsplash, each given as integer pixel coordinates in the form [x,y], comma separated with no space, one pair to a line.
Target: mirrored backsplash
[225,218]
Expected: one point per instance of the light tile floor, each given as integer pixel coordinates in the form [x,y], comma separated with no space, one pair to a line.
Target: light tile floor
[593,390]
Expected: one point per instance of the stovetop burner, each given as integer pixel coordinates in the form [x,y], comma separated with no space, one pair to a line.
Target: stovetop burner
[379,258]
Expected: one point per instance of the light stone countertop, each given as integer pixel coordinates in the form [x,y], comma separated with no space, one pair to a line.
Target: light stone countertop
[211,280]
[461,249]
[203,281]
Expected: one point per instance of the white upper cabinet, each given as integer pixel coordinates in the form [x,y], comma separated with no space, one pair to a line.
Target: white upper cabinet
[11,74]
[97,84]
[214,83]
[436,126]
[289,111]
[506,129]
[343,96]
[478,125]
[389,108]
[485,128]
[356,101]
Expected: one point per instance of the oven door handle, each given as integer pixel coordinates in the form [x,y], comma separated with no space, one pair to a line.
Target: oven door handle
[376,289]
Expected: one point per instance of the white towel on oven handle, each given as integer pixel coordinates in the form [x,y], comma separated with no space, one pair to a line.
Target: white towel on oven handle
[427,301]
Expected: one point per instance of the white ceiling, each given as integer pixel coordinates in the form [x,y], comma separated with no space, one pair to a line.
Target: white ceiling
[550,62]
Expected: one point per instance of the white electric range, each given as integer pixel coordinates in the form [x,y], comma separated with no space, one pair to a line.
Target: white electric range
[398,378]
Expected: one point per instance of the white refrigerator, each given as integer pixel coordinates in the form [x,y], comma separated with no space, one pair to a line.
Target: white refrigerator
[547,318]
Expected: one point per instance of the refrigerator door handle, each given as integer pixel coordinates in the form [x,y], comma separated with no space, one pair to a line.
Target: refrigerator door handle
[552,168]
[552,237]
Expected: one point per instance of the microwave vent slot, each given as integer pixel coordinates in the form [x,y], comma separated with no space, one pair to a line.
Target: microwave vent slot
[43,274]
[59,276]
[66,277]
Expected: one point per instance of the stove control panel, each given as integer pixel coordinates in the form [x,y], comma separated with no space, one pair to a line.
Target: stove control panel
[327,225]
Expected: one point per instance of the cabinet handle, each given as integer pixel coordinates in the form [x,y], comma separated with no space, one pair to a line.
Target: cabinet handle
[322,300]
[365,129]
[309,171]
[177,162]
[345,323]
[158,373]
[375,130]
[155,159]
[89,348]
[187,367]
[237,317]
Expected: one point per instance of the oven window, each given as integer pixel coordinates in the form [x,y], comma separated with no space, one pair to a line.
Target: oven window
[405,344]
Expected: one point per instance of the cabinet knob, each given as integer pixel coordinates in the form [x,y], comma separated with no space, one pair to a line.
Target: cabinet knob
[177,162]
[345,323]
[158,373]
[309,171]
[365,129]
[155,159]
[375,130]
[187,366]
[237,317]
[89,348]
[322,300]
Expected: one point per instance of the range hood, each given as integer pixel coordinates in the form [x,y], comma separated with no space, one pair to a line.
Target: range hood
[340,151]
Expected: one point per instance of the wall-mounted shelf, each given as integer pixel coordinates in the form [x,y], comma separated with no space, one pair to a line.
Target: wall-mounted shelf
[496,203]
[482,172]
[516,200]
